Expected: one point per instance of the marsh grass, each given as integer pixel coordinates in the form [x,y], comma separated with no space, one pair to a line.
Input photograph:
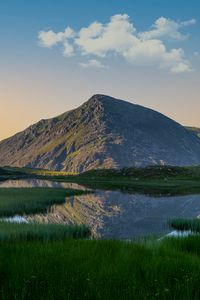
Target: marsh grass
[26,232]
[186,224]
[32,200]
[96,269]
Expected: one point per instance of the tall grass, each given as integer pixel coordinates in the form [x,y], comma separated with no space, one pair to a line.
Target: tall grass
[25,232]
[186,224]
[90,269]
[31,200]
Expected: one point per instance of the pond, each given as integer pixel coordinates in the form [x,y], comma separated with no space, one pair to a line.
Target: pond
[113,214]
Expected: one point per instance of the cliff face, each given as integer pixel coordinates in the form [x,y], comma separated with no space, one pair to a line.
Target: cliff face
[102,133]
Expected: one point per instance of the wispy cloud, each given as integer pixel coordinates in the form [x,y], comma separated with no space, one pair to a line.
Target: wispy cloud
[92,63]
[119,36]
[196,54]
[166,28]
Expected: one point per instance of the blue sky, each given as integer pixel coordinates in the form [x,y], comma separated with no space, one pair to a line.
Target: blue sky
[39,82]
[21,20]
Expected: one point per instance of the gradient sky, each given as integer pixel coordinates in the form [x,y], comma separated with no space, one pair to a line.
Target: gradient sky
[39,82]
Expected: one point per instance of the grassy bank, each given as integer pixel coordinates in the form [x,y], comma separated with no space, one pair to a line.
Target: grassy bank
[31,200]
[26,232]
[185,224]
[165,180]
[148,186]
[150,180]
[78,269]
[12,173]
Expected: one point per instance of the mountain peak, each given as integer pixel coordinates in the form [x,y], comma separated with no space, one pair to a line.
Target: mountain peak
[108,103]
[100,98]
[104,132]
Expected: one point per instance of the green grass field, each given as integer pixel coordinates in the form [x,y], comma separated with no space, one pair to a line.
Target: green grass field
[31,200]
[91,269]
[47,232]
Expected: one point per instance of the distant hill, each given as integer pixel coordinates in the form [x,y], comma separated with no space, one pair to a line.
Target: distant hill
[102,133]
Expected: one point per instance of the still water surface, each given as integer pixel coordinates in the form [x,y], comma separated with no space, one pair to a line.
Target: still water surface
[113,214]
[35,183]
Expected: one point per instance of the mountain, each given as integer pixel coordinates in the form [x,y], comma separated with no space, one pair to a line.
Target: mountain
[102,133]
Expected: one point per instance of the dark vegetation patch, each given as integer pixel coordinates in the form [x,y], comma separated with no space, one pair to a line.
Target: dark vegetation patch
[148,172]
[32,200]
[186,224]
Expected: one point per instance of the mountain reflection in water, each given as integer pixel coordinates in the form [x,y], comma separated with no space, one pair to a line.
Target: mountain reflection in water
[113,214]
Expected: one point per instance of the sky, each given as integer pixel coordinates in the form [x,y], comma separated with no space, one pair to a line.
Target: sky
[55,54]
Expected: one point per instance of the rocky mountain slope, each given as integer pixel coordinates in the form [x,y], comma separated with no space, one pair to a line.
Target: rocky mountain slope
[102,133]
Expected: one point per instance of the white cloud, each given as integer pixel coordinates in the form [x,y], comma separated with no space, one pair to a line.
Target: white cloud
[153,52]
[120,37]
[51,38]
[115,36]
[68,50]
[181,67]
[163,27]
[92,31]
[92,63]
